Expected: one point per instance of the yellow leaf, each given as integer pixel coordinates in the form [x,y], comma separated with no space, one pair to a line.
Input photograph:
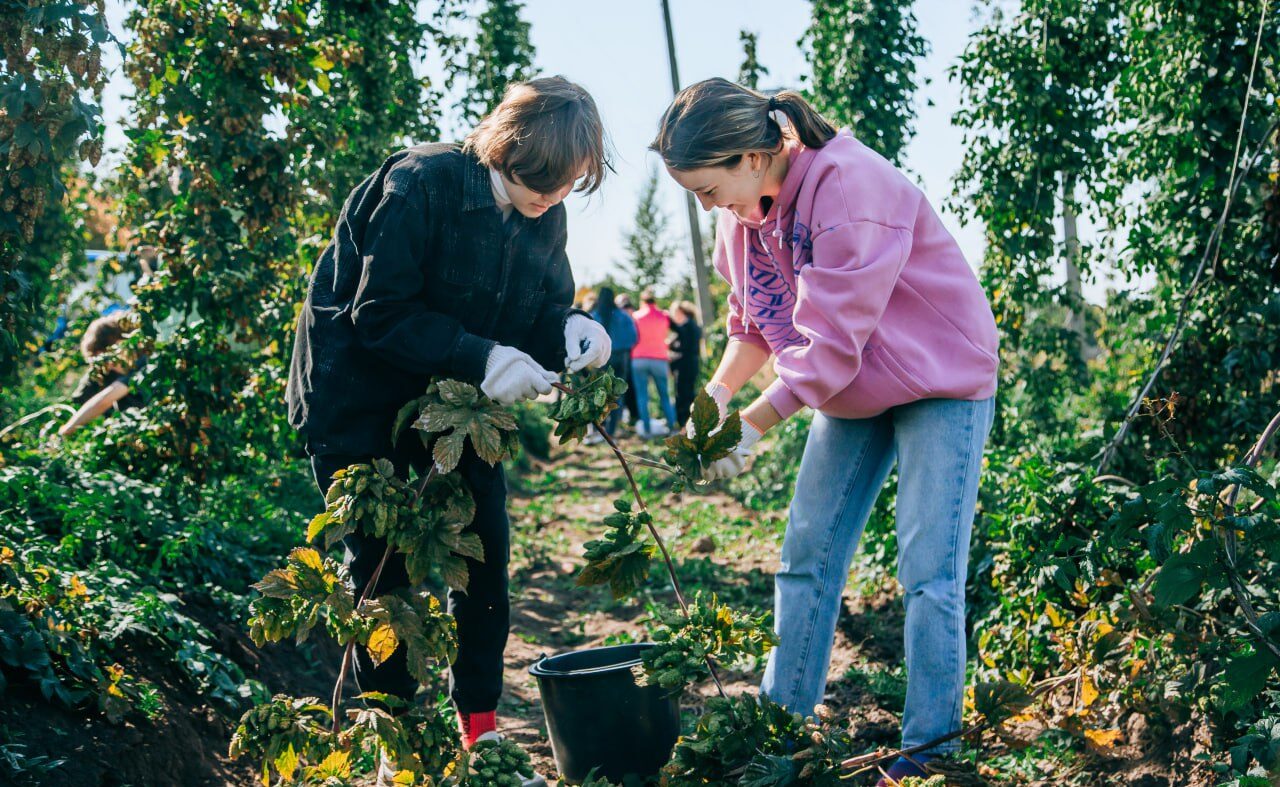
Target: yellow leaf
[1054,616]
[1136,669]
[322,82]
[308,557]
[1103,739]
[287,763]
[77,588]
[337,764]
[1088,691]
[6,555]
[322,62]
[382,643]
[316,527]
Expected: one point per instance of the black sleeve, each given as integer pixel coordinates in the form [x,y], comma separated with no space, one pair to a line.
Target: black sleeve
[546,337]
[388,313]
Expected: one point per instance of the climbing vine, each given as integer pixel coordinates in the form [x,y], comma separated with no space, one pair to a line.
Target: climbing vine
[50,84]
[864,57]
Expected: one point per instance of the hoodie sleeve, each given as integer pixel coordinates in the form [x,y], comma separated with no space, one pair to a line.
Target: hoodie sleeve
[839,301]
[738,326]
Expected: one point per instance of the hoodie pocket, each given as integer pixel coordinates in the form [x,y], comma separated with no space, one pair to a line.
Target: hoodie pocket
[904,373]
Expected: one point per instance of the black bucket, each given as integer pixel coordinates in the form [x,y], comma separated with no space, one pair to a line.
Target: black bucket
[599,718]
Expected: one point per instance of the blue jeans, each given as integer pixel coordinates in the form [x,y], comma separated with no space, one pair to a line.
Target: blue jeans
[642,369]
[938,445]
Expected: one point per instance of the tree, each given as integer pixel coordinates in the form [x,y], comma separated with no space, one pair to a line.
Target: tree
[377,103]
[863,55]
[1192,108]
[648,245]
[49,85]
[499,53]
[1034,107]
[209,184]
[750,72]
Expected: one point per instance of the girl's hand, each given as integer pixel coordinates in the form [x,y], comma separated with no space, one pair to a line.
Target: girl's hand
[721,394]
[733,464]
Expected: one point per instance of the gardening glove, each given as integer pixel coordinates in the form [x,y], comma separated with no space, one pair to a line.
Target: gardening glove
[586,343]
[721,394]
[731,465]
[512,376]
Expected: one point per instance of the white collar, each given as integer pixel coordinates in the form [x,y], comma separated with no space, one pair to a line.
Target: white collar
[499,189]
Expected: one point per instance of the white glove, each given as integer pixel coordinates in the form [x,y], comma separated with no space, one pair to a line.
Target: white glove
[731,465]
[512,376]
[586,343]
[721,394]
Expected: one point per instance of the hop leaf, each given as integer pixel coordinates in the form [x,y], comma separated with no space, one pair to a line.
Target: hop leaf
[433,537]
[711,439]
[416,622]
[620,559]
[999,701]
[711,630]
[297,597]
[450,412]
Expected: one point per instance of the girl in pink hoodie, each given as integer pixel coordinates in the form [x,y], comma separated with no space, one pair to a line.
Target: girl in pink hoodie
[841,272]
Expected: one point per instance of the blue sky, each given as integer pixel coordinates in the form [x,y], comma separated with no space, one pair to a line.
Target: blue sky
[617,50]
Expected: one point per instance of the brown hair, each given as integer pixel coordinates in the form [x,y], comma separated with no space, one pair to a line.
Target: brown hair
[541,133]
[714,123]
[102,334]
[647,296]
[688,308]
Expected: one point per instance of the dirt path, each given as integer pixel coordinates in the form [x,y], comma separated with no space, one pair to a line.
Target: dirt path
[718,545]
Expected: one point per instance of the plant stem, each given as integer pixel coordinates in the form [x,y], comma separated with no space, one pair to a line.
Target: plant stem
[864,762]
[365,595]
[662,546]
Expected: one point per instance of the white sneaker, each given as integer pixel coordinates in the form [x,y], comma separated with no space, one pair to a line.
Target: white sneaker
[535,780]
[593,436]
[658,427]
[641,432]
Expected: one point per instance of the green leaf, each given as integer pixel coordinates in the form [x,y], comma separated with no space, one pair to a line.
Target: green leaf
[448,451]
[1245,677]
[1179,579]
[997,701]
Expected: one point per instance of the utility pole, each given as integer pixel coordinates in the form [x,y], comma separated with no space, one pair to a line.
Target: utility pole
[695,231]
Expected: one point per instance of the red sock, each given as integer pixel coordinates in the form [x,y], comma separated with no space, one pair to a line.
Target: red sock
[473,725]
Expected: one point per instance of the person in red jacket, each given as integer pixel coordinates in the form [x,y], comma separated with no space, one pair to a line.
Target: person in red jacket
[649,362]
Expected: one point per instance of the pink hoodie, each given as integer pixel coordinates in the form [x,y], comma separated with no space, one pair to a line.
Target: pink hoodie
[857,289]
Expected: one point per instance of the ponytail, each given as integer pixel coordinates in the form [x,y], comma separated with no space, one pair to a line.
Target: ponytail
[714,123]
[811,128]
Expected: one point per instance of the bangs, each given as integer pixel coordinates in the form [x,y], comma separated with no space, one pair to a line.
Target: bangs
[544,134]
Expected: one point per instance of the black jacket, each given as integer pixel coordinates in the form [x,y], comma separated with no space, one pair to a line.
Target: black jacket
[686,350]
[421,279]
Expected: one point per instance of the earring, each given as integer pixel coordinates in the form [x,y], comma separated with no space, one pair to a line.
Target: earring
[756,174]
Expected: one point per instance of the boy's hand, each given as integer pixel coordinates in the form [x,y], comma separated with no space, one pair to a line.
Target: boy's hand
[512,376]
[586,343]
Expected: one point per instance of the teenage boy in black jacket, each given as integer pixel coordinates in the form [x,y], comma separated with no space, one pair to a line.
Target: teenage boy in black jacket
[449,262]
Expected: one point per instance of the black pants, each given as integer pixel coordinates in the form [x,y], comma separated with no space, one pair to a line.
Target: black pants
[483,611]
[686,390]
